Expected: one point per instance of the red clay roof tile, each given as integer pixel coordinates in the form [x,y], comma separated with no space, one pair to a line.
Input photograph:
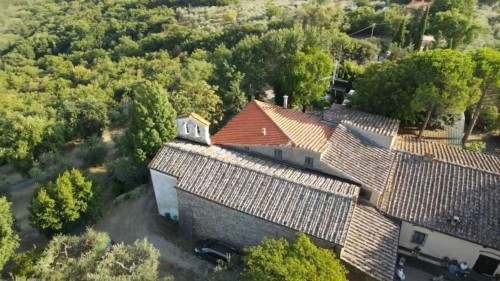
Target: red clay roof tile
[283,127]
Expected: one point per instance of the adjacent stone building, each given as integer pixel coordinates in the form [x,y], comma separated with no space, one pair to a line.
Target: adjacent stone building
[345,179]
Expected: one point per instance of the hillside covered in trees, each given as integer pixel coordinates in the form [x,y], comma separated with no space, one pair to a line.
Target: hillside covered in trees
[72,69]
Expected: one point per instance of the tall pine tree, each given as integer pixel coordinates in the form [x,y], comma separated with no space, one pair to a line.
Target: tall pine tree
[153,122]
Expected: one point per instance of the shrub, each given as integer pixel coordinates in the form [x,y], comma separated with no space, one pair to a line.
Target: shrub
[58,207]
[25,262]
[93,256]
[48,167]
[475,146]
[302,260]
[125,175]
[9,241]
[489,119]
[93,151]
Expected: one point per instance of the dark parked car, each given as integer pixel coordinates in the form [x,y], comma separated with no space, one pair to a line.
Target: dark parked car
[214,250]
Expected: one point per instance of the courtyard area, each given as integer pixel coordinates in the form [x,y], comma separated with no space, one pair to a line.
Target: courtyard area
[418,270]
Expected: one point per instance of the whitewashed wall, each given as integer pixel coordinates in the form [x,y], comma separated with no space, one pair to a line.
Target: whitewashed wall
[440,245]
[166,194]
[191,133]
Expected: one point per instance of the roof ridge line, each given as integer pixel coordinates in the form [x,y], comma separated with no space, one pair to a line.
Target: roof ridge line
[310,186]
[265,113]
[414,139]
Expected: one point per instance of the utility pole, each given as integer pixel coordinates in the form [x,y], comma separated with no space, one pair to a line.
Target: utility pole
[373,28]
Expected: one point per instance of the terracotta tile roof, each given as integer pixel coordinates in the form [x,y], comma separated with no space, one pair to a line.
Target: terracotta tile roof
[372,243]
[284,127]
[359,158]
[449,153]
[430,193]
[196,117]
[303,201]
[366,121]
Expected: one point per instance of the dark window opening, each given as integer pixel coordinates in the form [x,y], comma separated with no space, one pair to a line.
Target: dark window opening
[418,237]
[309,162]
[198,132]
[278,154]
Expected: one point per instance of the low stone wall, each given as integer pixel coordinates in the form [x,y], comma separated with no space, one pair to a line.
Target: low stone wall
[201,218]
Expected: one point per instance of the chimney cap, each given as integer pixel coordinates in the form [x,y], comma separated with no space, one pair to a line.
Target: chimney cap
[285,101]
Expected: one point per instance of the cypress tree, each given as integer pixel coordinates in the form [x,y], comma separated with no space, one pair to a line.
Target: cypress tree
[400,37]
[153,122]
[418,39]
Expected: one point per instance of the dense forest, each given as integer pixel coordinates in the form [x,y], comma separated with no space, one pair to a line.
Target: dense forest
[70,70]
[71,67]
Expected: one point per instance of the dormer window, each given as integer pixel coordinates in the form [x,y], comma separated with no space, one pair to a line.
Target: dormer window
[186,128]
[198,131]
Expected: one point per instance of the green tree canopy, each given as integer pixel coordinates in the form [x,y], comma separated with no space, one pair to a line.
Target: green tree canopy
[305,82]
[433,83]
[200,97]
[466,7]
[25,137]
[487,70]
[48,167]
[9,241]
[302,260]
[456,28]
[153,122]
[93,256]
[93,151]
[59,206]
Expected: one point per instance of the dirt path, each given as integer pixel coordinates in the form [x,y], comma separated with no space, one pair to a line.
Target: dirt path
[21,198]
[138,218]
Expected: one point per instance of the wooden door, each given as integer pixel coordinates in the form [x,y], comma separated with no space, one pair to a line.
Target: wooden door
[486,265]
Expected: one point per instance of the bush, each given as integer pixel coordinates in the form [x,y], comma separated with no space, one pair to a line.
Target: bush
[58,207]
[92,256]
[119,114]
[302,260]
[475,146]
[9,241]
[489,119]
[125,175]
[48,167]
[93,151]
[24,263]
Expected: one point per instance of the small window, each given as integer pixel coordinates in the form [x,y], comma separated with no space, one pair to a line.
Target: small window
[309,161]
[198,132]
[418,238]
[186,128]
[278,154]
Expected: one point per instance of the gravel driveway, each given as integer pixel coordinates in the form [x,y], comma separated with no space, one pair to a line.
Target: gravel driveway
[138,218]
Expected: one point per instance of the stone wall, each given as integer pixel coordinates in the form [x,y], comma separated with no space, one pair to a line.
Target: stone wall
[201,218]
